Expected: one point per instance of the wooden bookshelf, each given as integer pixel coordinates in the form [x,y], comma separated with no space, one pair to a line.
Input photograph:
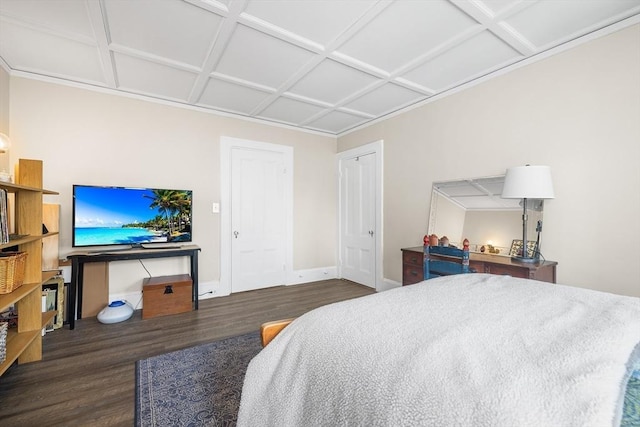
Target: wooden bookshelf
[25,343]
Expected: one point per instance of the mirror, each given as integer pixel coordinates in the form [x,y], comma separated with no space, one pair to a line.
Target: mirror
[473,209]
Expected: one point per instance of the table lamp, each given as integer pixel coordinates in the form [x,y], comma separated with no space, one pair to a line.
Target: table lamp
[527,182]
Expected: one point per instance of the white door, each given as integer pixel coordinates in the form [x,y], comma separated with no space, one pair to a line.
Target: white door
[358,219]
[258,219]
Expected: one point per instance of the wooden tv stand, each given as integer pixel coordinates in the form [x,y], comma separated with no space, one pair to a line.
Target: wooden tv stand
[79,259]
[544,271]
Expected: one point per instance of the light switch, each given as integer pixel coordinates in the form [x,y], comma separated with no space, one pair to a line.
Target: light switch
[216,208]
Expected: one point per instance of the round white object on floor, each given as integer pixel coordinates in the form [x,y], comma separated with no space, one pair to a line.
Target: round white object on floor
[117,311]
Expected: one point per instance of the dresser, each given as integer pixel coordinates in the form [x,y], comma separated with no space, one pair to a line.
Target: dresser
[544,271]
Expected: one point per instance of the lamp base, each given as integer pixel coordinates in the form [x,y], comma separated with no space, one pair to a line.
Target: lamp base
[525,259]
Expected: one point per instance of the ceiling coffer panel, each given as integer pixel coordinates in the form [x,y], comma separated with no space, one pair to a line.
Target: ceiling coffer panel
[174,30]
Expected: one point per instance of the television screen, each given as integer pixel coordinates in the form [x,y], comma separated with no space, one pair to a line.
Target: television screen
[130,216]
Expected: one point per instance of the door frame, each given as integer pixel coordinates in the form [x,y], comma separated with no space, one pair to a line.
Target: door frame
[227,144]
[371,148]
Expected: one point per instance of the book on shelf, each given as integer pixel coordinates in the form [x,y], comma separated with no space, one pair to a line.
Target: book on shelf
[44,308]
[55,286]
[4,217]
[49,304]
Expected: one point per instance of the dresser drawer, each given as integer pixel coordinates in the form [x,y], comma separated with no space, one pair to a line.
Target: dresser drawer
[412,258]
[477,267]
[412,274]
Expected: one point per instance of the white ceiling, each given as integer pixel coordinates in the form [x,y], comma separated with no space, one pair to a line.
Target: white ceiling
[327,66]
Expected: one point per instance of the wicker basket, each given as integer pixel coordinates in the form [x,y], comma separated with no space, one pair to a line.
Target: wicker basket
[11,271]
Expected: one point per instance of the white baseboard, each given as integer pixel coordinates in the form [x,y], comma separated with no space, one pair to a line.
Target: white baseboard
[205,290]
[312,275]
[211,289]
[387,284]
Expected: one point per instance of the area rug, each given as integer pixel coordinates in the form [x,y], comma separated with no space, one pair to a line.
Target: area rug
[197,386]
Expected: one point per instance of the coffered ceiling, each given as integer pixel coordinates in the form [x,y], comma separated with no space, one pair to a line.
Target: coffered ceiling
[327,66]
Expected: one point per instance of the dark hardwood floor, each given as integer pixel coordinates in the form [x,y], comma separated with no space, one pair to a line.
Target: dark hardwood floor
[87,376]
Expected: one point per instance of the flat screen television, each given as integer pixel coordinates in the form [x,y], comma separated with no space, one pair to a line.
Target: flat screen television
[106,216]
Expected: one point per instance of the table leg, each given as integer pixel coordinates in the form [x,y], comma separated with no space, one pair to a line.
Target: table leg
[73,286]
[194,277]
[79,289]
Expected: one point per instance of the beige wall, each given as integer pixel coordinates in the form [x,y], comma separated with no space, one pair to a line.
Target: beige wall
[577,111]
[87,137]
[4,115]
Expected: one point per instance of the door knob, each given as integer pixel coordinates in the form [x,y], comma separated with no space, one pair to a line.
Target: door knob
[235,234]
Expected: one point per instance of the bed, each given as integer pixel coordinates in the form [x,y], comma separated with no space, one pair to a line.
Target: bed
[464,350]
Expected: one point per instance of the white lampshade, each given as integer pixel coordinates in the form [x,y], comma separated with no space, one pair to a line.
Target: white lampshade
[528,182]
[5,142]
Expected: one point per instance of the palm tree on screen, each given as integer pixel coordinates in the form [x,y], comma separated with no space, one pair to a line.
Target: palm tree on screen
[174,205]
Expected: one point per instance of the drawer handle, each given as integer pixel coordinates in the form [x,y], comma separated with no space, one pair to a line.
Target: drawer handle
[168,289]
[414,259]
[414,273]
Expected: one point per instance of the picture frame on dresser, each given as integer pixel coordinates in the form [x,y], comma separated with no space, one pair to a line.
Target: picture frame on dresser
[516,248]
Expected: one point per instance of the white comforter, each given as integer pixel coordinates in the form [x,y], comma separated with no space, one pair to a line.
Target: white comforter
[466,350]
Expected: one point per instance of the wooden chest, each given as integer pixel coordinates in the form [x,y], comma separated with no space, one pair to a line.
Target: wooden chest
[165,295]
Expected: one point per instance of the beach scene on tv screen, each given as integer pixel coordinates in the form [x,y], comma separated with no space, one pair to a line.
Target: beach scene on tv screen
[121,216]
